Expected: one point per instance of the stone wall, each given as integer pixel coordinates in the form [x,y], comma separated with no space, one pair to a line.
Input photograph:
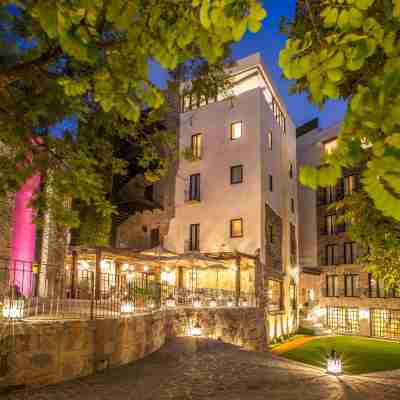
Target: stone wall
[51,352]
[273,246]
[244,327]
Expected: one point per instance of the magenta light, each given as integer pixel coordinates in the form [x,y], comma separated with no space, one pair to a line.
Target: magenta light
[23,240]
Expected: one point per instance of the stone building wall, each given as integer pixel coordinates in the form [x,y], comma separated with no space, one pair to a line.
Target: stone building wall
[273,246]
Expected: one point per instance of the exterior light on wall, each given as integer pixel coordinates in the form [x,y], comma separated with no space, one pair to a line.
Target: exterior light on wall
[170,301]
[197,303]
[145,268]
[195,330]
[13,309]
[83,265]
[125,267]
[213,302]
[127,307]
[364,313]
[151,304]
[318,312]
[229,303]
[244,302]
[334,364]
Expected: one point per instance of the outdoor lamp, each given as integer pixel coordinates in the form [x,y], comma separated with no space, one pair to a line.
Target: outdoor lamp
[170,301]
[195,330]
[229,303]
[13,309]
[197,303]
[334,364]
[127,307]
[244,302]
[213,302]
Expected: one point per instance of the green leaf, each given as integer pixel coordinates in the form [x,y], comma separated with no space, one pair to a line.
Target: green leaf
[254,25]
[364,4]
[239,30]
[336,61]
[204,17]
[343,19]
[335,75]
[331,90]
[331,16]
[355,18]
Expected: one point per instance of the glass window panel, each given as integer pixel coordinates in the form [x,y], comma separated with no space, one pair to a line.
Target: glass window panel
[236,130]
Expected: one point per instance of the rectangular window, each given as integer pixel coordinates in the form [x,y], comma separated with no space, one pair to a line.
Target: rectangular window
[194,239]
[269,138]
[332,289]
[275,295]
[236,174]
[330,145]
[331,256]
[236,228]
[196,146]
[330,194]
[236,130]
[351,285]
[330,224]
[377,287]
[291,170]
[292,205]
[194,187]
[343,320]
[349,252]
[149,193]
[154,237]
[349,184]
[270,183]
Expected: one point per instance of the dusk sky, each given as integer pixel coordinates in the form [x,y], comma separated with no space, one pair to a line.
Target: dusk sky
[269,41]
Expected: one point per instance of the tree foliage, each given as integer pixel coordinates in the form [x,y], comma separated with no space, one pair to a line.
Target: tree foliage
[350,49]
[88,60]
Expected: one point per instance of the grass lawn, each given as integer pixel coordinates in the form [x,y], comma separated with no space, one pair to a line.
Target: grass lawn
[359,355]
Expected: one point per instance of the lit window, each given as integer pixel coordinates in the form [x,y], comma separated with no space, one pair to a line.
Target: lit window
[269,140]
[196,146]
[349,184]
[236,228]
[236,174]
[236,130]
[330,146]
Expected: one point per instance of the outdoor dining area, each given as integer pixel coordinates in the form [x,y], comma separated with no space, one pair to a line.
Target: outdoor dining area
[99,282]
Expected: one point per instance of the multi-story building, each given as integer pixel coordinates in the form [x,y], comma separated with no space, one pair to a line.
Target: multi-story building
[348,299]
[237,191]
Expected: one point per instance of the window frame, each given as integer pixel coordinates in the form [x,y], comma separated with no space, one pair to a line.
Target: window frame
[232,221]
[334,255]
[241,174]
[334,279]
[194,187]
[352,252]
[291,170]
[195,146]
[354,288]
[269,140]
[292,205]
[270,183]
[194,237]
[241,130]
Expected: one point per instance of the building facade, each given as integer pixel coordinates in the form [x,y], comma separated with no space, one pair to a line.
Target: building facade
[347,299]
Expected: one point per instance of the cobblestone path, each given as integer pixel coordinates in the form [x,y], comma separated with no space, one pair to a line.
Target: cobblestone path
[199,369]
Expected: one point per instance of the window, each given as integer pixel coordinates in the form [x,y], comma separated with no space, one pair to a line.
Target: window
[269,139]
[349,252]
[343,320]
[349,184]
[330,146]
[236,174]
[331,254]
[330,224]
[377,287]
[196,146]
[236,228]
[154,237]
[291,170]
[236,130]
[194,239]
[385,323]
[149,193]
[270,183]
[332,286]
[194,187]
[351,285]
[292,205]
[275,295]
[330,194]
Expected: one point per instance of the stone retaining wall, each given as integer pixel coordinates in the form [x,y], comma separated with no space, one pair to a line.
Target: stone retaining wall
[39,352]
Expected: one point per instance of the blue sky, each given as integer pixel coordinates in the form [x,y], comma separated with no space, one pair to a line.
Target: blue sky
[268,41]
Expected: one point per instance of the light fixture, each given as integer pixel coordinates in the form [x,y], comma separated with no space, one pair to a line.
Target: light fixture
[170,301]
[145,268]
[127,307]
[364,313]
[195,330]
[197,302]
[334,364]
[125,267]
[229,303]
[318,312]
[13,309]
[213,302]
[244,302]
[151,305]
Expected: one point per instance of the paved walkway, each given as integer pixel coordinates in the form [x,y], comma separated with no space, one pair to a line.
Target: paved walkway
[187,369]
[292,344]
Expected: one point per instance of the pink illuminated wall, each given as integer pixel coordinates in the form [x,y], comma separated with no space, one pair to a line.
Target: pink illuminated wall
[23,237]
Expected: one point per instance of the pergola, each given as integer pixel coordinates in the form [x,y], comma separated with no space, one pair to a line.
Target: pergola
[154,262]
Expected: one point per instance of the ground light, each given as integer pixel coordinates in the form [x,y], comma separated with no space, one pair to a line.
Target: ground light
[334,364]
[197,303]
[13,309]
[213,303]
[170,301]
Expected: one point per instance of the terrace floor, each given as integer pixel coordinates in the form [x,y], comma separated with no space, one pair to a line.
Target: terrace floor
[202,369]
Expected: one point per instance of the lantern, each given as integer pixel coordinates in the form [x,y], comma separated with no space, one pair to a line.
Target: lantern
[229,303]
[213,302]
[13,309]
[195,330]
[196,303]
[170,301]
[334,364]
[244,302]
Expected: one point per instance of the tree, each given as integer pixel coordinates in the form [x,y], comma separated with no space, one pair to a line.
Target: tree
[350,49]
[87,60]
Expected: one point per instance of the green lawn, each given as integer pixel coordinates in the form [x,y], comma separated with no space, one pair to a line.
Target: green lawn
[359,355]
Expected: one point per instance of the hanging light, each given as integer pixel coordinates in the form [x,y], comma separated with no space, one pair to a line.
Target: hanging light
[334,364]
[170,301]
[13,309]
[197,302]
[213,302]
[127,307]
[229,303]
[195,330]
